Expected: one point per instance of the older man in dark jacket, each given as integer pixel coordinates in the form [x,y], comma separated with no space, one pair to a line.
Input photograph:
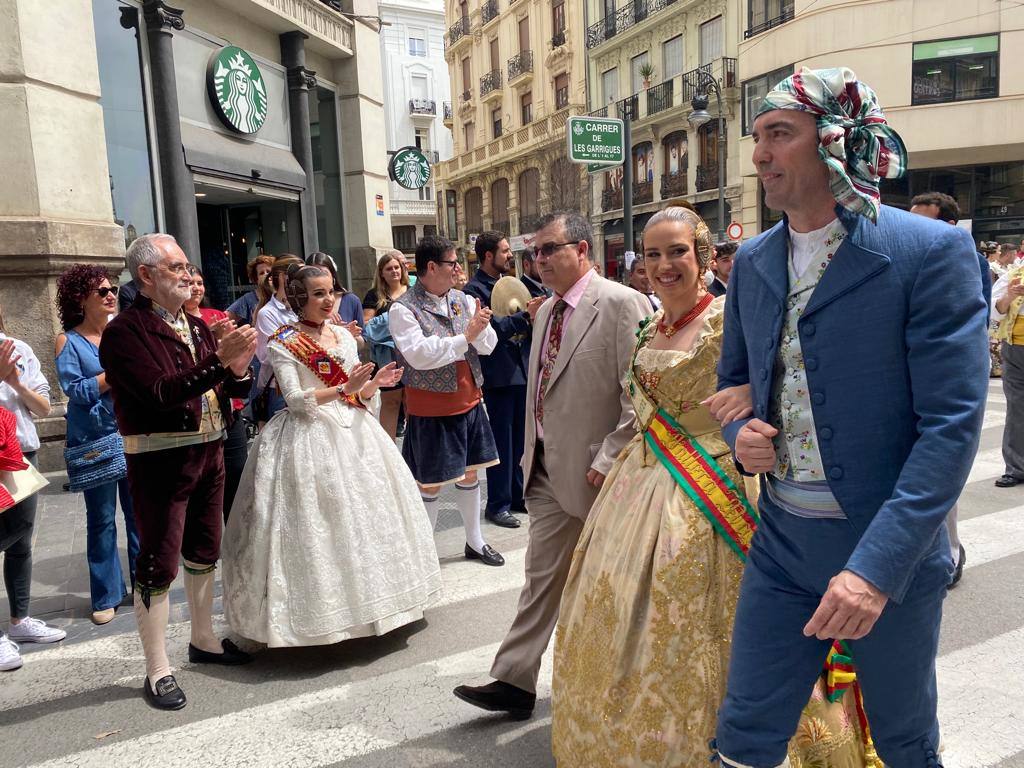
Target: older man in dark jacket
[171,377]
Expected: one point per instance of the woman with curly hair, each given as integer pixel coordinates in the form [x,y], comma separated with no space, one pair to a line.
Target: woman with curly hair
[85,302]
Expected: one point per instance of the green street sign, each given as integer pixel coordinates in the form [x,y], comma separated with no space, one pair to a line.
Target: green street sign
[237,90]
[601,167]
[410,168]
[595,140]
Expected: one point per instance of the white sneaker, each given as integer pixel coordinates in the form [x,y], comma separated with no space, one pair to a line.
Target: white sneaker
[31,630]
[10,659]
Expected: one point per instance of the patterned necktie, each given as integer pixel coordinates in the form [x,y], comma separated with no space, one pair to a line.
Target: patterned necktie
[551,353]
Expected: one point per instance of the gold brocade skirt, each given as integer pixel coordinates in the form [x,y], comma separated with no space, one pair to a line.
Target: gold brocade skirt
[643,639]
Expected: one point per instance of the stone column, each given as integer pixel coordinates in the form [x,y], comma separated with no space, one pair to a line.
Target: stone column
[175,178]
[300,82]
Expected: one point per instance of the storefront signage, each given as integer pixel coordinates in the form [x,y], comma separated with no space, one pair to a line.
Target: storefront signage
[410,168]
[380,205]
[964,46]
[237,90]
[595,140]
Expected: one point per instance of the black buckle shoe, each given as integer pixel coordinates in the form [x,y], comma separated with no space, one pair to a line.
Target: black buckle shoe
[503,518]
[1007,481]
[488,555]
[959,572]
[499,697]
[168,695]
[231,657]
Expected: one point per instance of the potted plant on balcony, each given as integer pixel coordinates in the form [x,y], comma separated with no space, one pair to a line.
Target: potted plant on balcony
[647,72]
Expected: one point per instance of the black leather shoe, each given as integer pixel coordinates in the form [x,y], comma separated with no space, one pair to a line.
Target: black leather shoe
[518,509]
[488,555]
[168,695]
[232,656]
[503,518]
[499,697]
[959,572]
[1007,481]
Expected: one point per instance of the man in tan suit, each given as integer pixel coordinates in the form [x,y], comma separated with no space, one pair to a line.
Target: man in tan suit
[578,419]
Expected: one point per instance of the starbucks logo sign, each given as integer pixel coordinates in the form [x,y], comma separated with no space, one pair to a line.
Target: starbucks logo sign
[410,168]
[237,90]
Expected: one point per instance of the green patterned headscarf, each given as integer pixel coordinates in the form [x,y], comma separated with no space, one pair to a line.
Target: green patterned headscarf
[857,144]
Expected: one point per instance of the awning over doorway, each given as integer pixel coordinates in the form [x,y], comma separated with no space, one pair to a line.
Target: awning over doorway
[213,154]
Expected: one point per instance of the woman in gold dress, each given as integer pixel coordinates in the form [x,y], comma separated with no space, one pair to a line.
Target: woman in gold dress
[643,639]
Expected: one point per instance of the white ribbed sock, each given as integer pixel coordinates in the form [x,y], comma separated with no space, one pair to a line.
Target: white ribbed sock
[468,500]
[199,591]
[431,503]
[152,624]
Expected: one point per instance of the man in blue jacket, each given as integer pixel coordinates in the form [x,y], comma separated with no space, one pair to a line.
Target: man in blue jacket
[504,380]
[857,327]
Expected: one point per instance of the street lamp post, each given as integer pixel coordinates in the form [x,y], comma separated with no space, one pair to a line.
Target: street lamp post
[700,117]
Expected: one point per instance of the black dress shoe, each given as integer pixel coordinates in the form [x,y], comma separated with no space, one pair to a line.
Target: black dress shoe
[959,572]
[518,509]
[499,697]
[167,696]
[503,518]
[1007,481]
[488,555]
[231,657]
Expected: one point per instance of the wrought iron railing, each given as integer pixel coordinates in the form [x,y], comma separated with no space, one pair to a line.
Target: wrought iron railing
[707,176]
[673,184]
[628,108]
[449,113]
[520,64]
[659,98]
[558,39]
[723,70]
[422,107]
[630,14]
[489,11]
[786,15]
[602,112]
[611,199]
[643,192]
[490,82]
[458,30]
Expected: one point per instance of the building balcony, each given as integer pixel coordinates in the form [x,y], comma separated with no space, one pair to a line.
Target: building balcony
[489,11]
[329,32]
[786,15]
[673,184]
[558,39]
[659,98]
[707,176]
[520,66]
[631,14]
[643,192]
[628,108]
[426,209]
[449,113]
[422,107]
[458,31]
[611,199]
[490,85]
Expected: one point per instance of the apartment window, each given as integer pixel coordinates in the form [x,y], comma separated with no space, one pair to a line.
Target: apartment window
[451,227]
[496,121]
[495,55]
[712,40]
[610,85]
[636,80]
[467,135]
[524,33]
[561,91]
[474,208]
[404,238]
[526,107]
[765,14]
[963,69]
[417,42]
[467,76]
[558,18]
[754,91]
[418,87]
[672,57]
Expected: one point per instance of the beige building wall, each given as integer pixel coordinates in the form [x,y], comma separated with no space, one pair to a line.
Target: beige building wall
[662,107]
[875,38]
[533,146]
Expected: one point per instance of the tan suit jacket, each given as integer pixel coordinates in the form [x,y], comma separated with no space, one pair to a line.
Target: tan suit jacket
[588,416]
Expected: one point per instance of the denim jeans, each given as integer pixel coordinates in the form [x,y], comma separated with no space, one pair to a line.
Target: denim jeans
[106,581]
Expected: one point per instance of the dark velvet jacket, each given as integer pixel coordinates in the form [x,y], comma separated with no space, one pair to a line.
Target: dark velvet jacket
[155,384]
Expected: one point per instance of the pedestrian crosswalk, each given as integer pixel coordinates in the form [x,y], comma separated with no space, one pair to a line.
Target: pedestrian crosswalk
[387,701]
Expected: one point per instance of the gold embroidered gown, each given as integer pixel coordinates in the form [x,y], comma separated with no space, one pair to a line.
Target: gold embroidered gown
[643,638]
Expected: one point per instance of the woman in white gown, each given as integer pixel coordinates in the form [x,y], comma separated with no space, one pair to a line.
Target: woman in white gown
[328,538]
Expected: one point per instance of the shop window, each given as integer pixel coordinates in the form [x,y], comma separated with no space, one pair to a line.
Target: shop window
[404,238]
[956,70]
[677,153]
[754,91]
[562,91]
[526,107]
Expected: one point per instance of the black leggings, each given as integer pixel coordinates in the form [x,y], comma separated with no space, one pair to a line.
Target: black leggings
[16,527]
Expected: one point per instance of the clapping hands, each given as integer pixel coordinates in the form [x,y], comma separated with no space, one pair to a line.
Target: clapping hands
[236,347]
[388,376]
[9,373]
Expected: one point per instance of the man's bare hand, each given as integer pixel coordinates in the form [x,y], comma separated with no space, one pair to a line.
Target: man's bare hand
[848,610]
[479,322]
[595,478]
[534,305]
[754,447]
[233,348]
[730,404]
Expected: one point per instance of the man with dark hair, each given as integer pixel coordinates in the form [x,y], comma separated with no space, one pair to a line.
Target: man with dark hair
[440,334]
[504,380]
[721,266]
[938,205]
[578,419]
[639,281]
[531,277]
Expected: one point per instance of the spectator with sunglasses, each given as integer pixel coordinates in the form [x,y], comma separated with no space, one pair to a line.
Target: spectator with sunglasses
[85,303]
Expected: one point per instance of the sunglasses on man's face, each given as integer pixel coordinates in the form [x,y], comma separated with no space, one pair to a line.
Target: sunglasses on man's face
[102,292]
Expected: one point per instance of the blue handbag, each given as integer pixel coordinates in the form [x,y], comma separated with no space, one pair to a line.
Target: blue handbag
[96,463]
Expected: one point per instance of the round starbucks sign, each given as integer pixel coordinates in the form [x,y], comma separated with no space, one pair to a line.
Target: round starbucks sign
[237,90]
[410,168]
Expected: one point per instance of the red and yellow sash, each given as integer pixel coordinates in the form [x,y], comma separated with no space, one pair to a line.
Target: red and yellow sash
[304,349]
[704,481]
